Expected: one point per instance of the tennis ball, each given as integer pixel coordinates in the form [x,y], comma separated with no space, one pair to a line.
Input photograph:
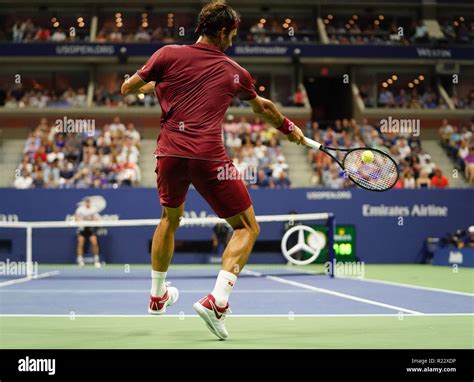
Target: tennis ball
[367,156]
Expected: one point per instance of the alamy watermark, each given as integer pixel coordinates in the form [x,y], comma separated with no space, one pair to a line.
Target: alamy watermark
[400,126]
[345,268]
[68,125]
[229,172]
[18,268]
[45,365]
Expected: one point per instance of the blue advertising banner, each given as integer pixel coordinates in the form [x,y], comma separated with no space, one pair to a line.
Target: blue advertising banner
[463,257]
[391,227]
[269,50]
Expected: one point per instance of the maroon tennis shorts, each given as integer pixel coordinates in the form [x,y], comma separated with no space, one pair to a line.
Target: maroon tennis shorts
[217,182]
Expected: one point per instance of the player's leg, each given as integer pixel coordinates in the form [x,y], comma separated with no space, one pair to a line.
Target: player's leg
[80,249]
[95,249]
[173,183]
[162,247]
[230,200]
[246,231]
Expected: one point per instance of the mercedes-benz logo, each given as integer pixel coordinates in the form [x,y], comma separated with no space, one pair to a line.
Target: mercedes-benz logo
[317,243]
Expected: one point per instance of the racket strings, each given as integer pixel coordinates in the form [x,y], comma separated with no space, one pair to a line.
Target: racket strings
[378,175]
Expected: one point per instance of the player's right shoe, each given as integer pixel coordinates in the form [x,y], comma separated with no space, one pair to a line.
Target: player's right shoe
[158,305]
[213,315]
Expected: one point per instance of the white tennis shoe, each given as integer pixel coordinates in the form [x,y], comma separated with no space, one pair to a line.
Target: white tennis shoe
[213,315]
[158,305]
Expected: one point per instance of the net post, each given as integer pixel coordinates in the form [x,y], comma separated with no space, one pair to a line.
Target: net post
[29,251]
[331,224]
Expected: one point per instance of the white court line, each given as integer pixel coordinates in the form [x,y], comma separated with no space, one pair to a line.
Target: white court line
[331,292]
[26,279]
[145,291]
[289,316]
[394,283]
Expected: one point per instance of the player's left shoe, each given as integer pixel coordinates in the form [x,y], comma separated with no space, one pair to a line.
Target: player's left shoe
[158,305]
[213,315]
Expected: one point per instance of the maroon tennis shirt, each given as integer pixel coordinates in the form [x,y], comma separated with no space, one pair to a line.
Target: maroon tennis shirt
[195,85]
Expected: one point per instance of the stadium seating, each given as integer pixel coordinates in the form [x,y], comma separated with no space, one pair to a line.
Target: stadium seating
[102,158]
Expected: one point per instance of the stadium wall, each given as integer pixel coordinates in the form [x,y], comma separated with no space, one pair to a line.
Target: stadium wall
[390,227]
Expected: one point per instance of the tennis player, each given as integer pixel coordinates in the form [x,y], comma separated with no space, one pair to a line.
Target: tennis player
[195,85]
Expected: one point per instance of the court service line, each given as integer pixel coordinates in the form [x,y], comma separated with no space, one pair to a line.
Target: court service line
[394,283]
[26,279]
[145,291]
[331,292]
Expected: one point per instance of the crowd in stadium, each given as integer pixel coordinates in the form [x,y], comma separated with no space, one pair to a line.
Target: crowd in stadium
[255,150]
[355,29]
[374,33]
[410,99]
[417,169]
[458,141]
[464,102]
[457,30]
[97,158]
[18,97]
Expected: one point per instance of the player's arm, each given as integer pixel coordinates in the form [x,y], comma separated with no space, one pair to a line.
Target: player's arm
[135,85]
[266,110]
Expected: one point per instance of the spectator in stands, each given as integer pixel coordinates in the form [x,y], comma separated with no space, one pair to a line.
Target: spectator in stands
[117,126]
[423,180]
[38,177]
[403,148]
[448,30]
[438,180]
[299,97]
[142,35]
[409,179]
[469,240]
[129,152]
[42,34]
[18,31]
[24,180]
[262,181]
[133,134]
[385,98]
[430,99]
[469,166]
[445,131]
[421,33]
[52,174]
[463,152]
[282,181]
[428,166]
[101,36]
[58,35]
[115,35]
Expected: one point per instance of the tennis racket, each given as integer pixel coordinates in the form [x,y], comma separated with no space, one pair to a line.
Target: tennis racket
[380,174]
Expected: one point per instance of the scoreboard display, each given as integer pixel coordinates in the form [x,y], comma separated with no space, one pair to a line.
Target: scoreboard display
[344,242]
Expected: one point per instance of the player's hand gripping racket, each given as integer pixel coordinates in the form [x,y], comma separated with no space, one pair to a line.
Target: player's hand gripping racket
[371,169]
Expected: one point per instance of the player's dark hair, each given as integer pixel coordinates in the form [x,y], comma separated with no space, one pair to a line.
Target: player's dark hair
[214,16]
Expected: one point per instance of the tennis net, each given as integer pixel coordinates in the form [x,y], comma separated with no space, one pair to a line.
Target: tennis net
[39,249]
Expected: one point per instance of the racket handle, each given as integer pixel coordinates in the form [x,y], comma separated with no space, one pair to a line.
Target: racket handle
[312,143]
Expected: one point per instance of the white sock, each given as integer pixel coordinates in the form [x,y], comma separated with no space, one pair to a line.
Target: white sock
[224,284]
[96,259]
[158,287]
